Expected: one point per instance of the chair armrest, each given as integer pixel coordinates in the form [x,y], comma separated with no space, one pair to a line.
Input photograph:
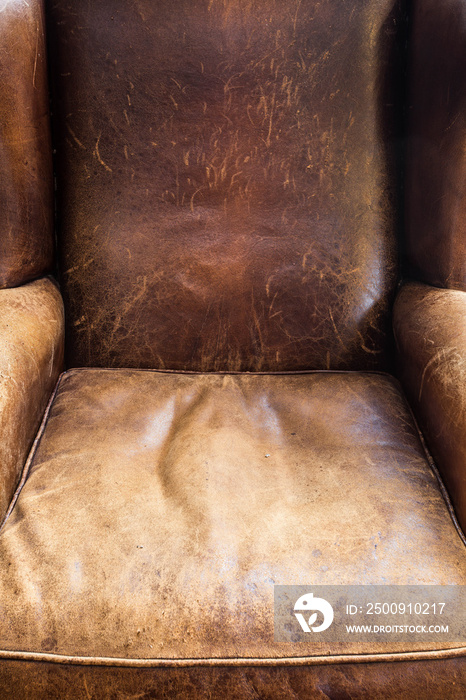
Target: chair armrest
[430,333]
[31,359]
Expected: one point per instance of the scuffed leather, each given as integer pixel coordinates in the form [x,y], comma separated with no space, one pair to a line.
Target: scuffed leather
[31,358]
[227,194]
[160,509]
[436,680]
[430,330]
[436,156]
[26,209]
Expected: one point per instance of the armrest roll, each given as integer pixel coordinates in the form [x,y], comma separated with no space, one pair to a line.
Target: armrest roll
[430,332]
[31,359]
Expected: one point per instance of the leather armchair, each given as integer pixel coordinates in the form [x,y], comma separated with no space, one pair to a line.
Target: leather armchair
[226,253]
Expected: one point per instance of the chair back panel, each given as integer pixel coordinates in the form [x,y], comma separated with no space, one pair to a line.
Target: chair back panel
[227,199]
[436,157]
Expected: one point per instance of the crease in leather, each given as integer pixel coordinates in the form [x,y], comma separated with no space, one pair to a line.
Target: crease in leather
[31,454]
[31,358]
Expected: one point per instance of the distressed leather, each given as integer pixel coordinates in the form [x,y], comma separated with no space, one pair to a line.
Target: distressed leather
[436,158]
[160,510]
[430,330]
[26,206]
[228,186]
[227,194]
[31,358]
[405,680]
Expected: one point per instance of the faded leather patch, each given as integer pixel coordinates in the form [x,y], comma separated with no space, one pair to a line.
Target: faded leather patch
[160,510]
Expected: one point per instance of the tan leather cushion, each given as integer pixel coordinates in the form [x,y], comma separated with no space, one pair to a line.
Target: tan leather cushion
[161,508]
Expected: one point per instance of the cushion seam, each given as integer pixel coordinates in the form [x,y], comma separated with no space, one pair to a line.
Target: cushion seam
[286,373]
[437,654]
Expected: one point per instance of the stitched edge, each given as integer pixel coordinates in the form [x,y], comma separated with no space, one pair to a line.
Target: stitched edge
[32,452]
[232,661]
[286,373]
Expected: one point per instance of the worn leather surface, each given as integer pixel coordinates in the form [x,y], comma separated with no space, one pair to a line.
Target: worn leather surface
[26,209]
[226,185]
[160,510]
[430,329]
[436,680]
[31,358]
[436,159]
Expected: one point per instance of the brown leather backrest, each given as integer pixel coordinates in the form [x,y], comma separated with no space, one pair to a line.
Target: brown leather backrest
[227,197]
[26,204]
[436,163]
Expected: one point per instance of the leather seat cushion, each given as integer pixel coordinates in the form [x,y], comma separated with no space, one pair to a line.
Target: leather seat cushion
[161,508]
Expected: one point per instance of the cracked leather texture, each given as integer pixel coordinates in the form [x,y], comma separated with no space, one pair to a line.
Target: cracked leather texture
[226,186]
[436,157]
[26,208]
[436,680]
[161,509]
[430,330]
[31,358]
